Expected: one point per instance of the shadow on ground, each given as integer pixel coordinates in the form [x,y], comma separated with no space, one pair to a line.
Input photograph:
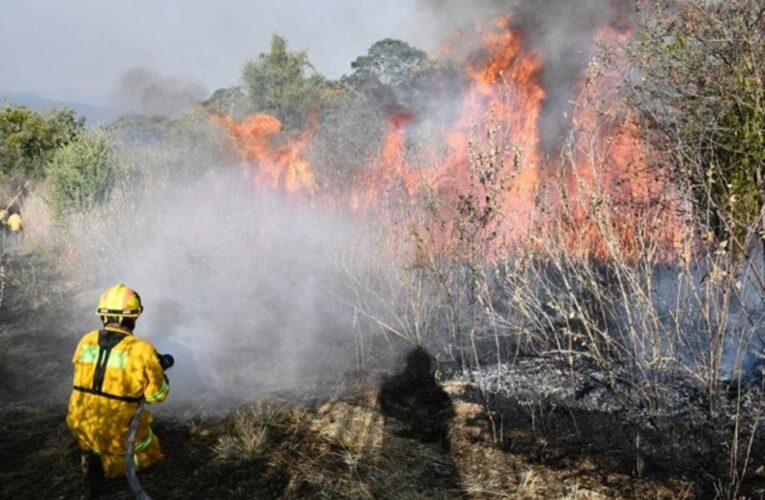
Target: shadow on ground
[416,407]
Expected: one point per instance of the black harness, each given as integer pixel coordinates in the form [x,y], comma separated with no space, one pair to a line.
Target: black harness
[106,341]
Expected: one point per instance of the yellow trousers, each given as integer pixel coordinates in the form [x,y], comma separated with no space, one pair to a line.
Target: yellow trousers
[146,454]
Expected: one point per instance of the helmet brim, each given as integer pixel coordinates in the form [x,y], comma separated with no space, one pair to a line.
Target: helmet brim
[122,313]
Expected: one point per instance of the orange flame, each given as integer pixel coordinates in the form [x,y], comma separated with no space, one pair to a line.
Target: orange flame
[274,166]
[604,202]
[621,203]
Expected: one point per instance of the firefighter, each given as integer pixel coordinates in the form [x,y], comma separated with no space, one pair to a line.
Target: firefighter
[15,225]
[113,371]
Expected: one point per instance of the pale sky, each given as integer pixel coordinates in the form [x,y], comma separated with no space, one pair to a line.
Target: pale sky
[77,49]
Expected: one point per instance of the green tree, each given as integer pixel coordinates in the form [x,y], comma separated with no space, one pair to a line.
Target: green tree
[284,84]
[81,175]
[390,62]
[701,70]
[396,76]
[28,138]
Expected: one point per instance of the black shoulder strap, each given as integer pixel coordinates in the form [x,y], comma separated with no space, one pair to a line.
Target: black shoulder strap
[106,342]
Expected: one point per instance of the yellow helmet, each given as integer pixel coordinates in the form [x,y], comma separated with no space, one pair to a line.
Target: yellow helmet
[120,301]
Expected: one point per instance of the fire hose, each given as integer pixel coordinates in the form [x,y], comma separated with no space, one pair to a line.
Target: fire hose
[139,493]
[132,477]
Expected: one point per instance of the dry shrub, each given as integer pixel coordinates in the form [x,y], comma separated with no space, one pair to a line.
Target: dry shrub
[248,437]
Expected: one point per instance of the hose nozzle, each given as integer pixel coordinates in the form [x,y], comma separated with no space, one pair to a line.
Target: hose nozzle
[166,361]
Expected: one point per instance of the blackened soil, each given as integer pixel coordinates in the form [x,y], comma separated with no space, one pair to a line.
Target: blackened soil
[695,445]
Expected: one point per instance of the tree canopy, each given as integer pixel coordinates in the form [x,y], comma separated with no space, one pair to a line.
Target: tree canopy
[390,62]
[395,75]
[28,138]
[284,84]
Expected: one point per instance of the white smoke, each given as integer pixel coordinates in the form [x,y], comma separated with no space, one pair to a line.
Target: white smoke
[234,283]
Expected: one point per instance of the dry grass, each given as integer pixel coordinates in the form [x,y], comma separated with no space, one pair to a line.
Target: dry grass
[248,438]
[347,449]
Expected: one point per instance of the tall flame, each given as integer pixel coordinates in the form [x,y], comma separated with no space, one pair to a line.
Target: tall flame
[271,165]
[598,199]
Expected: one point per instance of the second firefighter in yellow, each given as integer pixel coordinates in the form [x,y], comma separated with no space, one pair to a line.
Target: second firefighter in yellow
[15,224]
[113,371]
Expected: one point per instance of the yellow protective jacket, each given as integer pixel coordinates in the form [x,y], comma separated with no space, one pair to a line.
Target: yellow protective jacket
[113,371]
[15,223]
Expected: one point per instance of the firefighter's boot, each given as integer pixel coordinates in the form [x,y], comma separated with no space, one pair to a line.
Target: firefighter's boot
[93,476]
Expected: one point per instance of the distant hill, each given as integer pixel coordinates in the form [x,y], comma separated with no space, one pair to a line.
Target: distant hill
[94,115]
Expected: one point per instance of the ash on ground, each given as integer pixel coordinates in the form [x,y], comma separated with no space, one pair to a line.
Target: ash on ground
[554,412]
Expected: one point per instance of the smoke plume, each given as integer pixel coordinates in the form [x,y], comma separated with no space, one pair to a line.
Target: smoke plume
[141,90]
[234,284]
[561,31]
